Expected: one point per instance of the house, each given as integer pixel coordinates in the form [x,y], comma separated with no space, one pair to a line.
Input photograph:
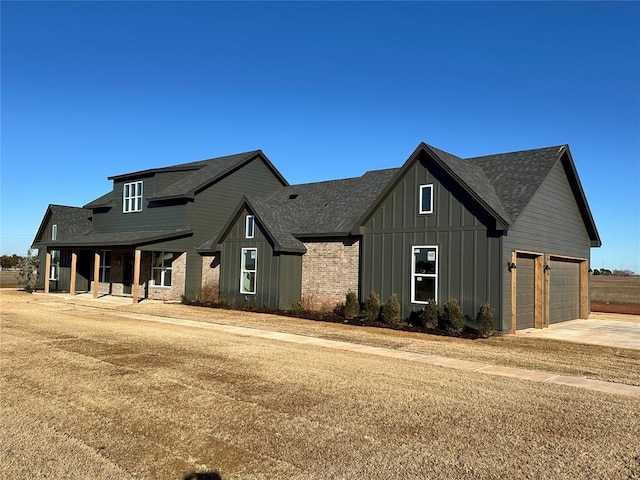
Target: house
[140,238]
[513,230]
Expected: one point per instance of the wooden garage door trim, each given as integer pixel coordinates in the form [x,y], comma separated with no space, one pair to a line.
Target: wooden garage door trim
[540,284]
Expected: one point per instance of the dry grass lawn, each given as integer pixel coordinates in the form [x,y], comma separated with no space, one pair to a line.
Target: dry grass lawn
[89,394]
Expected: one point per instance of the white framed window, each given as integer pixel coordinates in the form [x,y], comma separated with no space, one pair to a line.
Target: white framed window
[248,269]
[132,197]
[54,232]
[249,226]
[161,268]
[105,266]
[424,274]
[55,265]
[426,199]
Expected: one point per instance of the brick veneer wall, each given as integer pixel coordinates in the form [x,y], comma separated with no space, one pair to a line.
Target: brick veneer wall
[210,287]
[330,268]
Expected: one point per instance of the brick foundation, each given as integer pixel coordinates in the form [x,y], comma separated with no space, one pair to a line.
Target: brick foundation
[330,269]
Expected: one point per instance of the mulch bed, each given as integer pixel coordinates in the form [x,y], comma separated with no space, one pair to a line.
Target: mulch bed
[358,321]
[625,308]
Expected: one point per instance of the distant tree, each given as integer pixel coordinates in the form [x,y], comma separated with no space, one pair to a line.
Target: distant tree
[604,271]
[623,273]
[5,261]
[596,272]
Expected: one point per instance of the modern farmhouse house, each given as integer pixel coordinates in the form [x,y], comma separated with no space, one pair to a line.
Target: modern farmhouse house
[140,238]
[513,230]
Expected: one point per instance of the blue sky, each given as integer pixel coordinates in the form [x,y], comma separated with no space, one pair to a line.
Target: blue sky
[326,90]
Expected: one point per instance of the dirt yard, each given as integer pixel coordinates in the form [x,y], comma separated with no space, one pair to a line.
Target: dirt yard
[88,393]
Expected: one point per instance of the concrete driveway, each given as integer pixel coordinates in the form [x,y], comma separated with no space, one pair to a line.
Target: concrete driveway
[608,329]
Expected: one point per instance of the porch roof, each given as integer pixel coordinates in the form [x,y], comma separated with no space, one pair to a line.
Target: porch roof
[117,239]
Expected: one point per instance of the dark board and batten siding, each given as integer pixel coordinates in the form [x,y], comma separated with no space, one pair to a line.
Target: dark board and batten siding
[468,251]
[278,276]
[209,211]
[153,216]
[551,224]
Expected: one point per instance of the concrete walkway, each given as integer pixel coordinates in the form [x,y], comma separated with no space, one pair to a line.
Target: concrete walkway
[465,365]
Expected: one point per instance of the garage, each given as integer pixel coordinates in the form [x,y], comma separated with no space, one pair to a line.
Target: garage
[564,289]
[525,292]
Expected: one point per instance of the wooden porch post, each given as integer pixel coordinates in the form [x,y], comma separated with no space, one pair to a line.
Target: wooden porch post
[96,273]
[47,271]
[74,265]
[136,276]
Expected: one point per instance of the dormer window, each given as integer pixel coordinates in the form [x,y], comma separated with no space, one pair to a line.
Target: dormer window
[132,197]
[426,199]
[54,232]
[249,226]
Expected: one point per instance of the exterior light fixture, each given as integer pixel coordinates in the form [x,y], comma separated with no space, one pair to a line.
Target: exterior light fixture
[547,268]
[511,266]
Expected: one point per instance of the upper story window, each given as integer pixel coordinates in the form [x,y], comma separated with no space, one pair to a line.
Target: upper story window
[249,226]
[132,197]
[426,198]
[54,232]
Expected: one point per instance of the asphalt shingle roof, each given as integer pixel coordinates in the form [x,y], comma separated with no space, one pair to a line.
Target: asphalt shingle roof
[516,176]
[71,222]
[98,239]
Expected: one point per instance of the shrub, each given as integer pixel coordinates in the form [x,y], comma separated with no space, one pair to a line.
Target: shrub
[297,308]
[371,307]
[339,309]
[26,268]
[391,310]
[430,314]
[351,306]
[484,320]
[452,316]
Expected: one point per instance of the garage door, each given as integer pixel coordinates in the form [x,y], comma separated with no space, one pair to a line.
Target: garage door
[525,292]
[564,290]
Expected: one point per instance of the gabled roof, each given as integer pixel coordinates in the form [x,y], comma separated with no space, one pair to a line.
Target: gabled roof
[309,210]
[71,221]
[470,177]
[501,184]
[197,175]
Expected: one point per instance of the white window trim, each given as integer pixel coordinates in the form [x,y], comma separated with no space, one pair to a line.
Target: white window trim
[54,232]
[133,204]
[254,271]
[249,221]
[422,187]
[426,275]
[162,269]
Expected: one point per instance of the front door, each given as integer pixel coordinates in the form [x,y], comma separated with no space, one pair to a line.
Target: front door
[127,274]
